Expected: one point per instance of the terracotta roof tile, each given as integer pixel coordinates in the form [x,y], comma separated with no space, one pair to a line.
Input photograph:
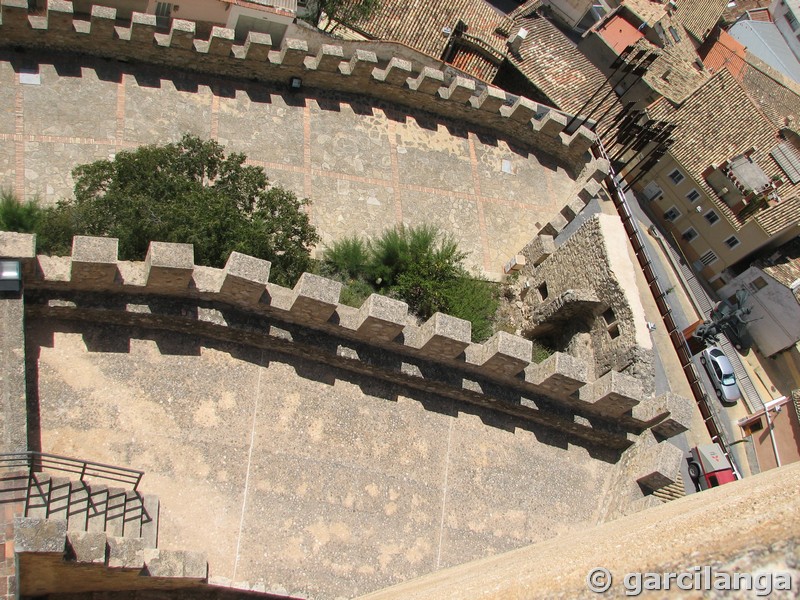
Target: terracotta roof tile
[699,16]
[716,123]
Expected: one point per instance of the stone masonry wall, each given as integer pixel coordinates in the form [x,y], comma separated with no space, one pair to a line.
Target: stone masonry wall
[358,71]
[168,291]
[588,284]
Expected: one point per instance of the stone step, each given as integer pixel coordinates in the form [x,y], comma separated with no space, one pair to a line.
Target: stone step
[115,512]
[151,507]
[134,509]
[58,506]
[38,496]
[78,506]
[98,505]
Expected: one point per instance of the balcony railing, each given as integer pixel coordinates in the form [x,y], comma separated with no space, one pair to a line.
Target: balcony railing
[36,462]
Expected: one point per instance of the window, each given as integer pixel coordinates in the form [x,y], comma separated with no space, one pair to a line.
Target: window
[712,217]
[708,258]
[542,289]
[689,234]
[759,283]
[672,214]
[163,14]
[792,20]
[693,196]
[676,176]
[652,191]
[674,33]
[732,242]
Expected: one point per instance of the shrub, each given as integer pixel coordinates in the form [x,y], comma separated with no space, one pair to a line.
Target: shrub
[22,217]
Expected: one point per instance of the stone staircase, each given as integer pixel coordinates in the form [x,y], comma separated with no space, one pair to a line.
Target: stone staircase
[93,507]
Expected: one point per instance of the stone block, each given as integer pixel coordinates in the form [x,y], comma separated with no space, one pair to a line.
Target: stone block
[428,81]
[381,318]
[539,249]
[444,336]
[87,547]
[551,124]
[293,52]
[94,260]
[219,42]
[505,354]
[181,34]
[360,64]
[521,111]
[591,190]
[315,298]
[580,141]
[327,59]
[175,563]
[150,513]
[555,226]
[668,415]
[169,267]
[102,21]
[489,100]
[572,209]
[600,169]
[657,466]
[15,13]
[245,278]
[60,16]
[48,536]
[396,72]
[257,46]
[125,553]
[17,245]
[560,373]
[143,28]
[459,91]
[613,394]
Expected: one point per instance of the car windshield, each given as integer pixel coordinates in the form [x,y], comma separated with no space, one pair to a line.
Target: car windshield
[728,380]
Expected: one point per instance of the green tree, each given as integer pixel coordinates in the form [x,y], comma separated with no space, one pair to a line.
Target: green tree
[22,217]
[349,12]
[187,192]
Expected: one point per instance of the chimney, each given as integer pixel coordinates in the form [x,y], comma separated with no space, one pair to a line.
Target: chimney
[515,41]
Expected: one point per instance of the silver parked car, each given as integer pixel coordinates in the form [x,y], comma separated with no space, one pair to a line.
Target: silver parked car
[720,371]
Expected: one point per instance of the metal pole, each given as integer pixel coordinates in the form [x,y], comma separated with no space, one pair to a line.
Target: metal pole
[772,437]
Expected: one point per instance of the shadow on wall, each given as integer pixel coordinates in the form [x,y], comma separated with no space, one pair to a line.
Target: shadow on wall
[40,333]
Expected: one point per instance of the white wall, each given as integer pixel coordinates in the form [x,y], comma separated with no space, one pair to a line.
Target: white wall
[778,10]
[776,313]
[569,11]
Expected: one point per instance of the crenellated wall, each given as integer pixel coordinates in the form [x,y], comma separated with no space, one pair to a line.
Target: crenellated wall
[344,68]
[168,291]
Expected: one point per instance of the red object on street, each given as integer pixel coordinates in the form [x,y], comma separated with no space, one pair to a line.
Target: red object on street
[710,467]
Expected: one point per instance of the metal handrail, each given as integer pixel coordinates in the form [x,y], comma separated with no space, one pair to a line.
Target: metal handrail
[37,461]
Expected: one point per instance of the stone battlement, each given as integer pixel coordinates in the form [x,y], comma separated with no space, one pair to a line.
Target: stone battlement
[356,71]
[239,304]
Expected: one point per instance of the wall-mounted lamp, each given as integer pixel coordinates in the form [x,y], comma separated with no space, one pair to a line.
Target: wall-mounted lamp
[10,276]
[295,83]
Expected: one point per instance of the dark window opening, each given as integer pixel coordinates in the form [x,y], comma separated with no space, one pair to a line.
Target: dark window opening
[543,291]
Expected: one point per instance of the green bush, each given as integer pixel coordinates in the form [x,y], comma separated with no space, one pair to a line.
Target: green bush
[22,217]
[419,265]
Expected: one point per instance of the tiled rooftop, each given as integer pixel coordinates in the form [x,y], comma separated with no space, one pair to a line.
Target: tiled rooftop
[420,23]
[709,134]
[554,65]
[699,16]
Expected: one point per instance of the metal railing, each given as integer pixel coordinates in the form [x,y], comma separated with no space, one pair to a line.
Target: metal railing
[36,462]
[659,294]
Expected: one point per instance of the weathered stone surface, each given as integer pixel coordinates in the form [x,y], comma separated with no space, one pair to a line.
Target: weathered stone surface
[444,336]
[658,466]
[506,354]
[94,260]
[381,318]
[169,266]
[395,73]
[427,82]
[257,46]
[671,413]
[613,394]
[219,43]
[521,111]
[17,245]
[40,535]
[125,553]
[560,373]
[87,547]
[175,563]
[328,58]
[246,277]
[538,249]
[460,90]
[490,99]
[361,64]
[551,124]
[293,52]
[315,297]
